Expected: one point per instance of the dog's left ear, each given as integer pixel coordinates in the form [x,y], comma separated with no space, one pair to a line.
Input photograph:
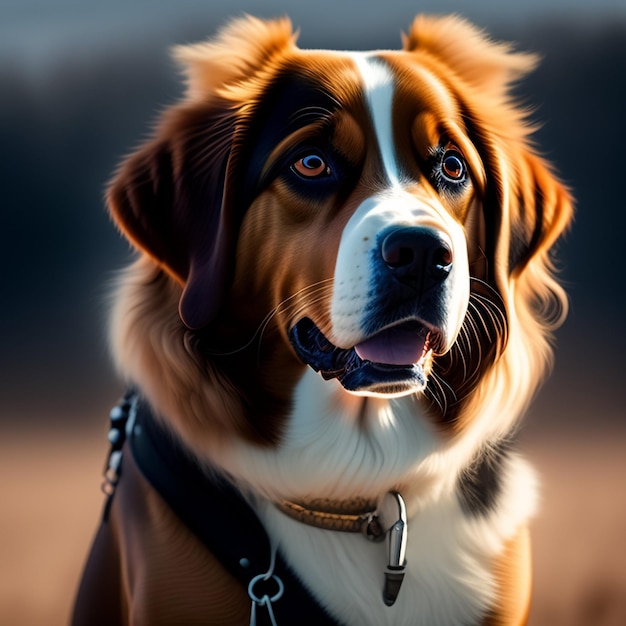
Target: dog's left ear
[540,209]
[173,198]
[485,66]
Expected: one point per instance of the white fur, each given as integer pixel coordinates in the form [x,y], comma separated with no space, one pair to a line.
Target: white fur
[448,580]
[335,447]
[379,91]
[327,453]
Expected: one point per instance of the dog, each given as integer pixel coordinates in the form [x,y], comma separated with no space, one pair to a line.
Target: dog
[343,302]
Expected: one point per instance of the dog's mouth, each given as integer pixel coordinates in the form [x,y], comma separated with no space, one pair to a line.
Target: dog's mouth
[389,362]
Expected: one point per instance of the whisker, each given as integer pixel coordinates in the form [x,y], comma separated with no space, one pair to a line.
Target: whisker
[317,291]
[484,329]
[495,313]
[489,288]
[444,390]
[482,258]
[315,113]
[292,314]
[434,391]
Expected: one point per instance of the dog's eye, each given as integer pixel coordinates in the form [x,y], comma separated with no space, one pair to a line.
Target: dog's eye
[449,172]
[311,166]
[453,166]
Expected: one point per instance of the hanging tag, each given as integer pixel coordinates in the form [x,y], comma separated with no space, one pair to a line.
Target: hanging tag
[392,515]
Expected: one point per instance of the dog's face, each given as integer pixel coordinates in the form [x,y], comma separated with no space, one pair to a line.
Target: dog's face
[378,217]
[360,193]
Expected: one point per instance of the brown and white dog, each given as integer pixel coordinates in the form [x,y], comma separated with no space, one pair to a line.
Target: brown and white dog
[378,218]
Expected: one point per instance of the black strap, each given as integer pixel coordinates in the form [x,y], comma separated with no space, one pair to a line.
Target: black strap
[220,517]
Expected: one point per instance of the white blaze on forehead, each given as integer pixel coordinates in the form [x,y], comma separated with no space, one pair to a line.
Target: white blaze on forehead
[379,88]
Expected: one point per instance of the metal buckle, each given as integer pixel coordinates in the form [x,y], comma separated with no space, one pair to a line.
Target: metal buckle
[390,521]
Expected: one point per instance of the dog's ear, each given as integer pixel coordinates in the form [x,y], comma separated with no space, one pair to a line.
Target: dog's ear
[540,208]
[173,197]
[171,200]
[484,65]
[527,207]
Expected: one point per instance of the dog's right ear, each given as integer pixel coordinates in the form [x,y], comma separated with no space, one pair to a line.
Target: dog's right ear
[173,197]
[171,200]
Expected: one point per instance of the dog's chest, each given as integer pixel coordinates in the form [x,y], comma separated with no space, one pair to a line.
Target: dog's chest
[447,580]
[450,554]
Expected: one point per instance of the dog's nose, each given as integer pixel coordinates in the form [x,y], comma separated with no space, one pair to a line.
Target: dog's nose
[419,254]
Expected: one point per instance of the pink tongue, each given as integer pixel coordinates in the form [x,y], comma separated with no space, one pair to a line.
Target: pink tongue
[394,346]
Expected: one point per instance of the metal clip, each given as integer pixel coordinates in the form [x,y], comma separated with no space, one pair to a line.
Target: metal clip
[264,600]
[392,514]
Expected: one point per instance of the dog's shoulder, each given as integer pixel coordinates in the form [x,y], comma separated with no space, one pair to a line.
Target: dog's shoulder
[164,574]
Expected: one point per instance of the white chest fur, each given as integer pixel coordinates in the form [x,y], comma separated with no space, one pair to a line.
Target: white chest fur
[447,581]
[336,446]
[450,554]
[449,576]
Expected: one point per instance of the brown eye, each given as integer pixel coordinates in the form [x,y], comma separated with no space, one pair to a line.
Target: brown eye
[453,166]
[311,166]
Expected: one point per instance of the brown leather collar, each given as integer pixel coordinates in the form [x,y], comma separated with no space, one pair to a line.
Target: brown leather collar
[351,516]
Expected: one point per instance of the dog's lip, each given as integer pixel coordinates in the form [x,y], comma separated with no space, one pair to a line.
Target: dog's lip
[406,343]
[354,372]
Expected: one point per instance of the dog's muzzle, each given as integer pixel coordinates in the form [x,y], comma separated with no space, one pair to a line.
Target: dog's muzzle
[403,313]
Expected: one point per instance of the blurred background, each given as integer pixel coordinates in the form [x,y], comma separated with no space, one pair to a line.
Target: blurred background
[80,84]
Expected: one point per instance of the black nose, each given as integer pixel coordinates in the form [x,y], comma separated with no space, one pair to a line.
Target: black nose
[417,254]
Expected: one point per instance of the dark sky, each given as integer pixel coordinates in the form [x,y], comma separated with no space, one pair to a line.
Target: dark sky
[81,82]
[38,32]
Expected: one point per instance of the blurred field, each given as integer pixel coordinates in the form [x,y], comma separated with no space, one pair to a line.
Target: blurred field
[50,505]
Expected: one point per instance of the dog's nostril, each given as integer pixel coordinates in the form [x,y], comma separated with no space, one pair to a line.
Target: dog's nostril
[442,258]
[416,253]
[397,256]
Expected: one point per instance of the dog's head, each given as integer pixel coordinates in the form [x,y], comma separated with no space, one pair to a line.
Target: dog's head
[380,217]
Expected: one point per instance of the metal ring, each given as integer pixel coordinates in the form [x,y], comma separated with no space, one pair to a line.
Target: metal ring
[265,598]
[372,528]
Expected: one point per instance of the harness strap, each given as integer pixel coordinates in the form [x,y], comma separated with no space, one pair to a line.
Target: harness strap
[219,516]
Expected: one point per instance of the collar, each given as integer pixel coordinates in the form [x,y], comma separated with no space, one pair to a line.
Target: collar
[352,516]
